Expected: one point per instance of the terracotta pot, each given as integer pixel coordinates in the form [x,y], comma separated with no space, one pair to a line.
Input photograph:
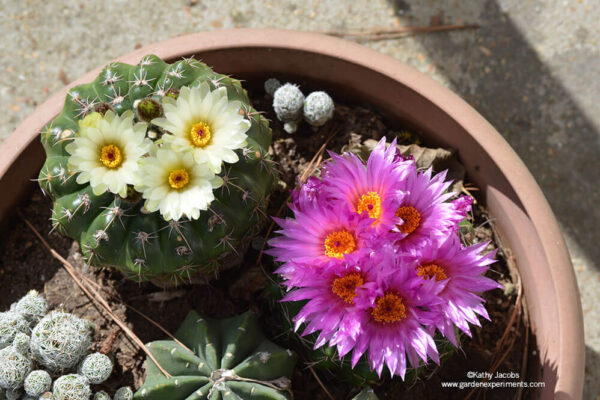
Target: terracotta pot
[515,201]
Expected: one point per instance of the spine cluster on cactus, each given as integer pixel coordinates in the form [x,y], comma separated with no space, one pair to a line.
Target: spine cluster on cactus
[59,341]
[118,229]
[228,356]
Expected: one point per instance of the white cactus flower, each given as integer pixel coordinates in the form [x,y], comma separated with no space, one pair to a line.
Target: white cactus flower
[206,124]
[105,153]
[176,185]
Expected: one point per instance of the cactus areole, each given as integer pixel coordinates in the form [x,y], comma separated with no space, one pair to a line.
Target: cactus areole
[223,359]
[160,170]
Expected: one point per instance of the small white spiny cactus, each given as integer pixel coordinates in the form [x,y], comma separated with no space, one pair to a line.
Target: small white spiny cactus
[96,367]
[271,86]
[11,323]
[32,306]
[59,340]
[318,108]
[288,101]
[15,364]
[101,395]
[37,383]
[71,387]
[124,393]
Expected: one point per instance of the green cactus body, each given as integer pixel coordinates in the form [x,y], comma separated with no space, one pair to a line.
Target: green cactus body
[118,232]
[231,359]
[366,394]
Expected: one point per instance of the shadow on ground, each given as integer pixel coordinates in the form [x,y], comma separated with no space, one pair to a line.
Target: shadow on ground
[495,69]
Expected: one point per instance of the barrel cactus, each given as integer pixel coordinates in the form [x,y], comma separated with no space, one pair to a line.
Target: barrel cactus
[230,358]
[15,364]
[160,170]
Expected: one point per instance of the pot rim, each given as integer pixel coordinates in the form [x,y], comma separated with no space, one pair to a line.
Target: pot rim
[570,363]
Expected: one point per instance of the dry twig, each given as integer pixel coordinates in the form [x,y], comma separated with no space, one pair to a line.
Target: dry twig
[321,383]
[395,33]
[93,295]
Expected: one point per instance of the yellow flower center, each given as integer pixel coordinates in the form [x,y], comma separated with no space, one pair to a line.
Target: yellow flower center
[428,271]
[179,178]
[411,218]
[200,134]
[339,243]
[388,309]
[110,156]
[345,286]
[371,203]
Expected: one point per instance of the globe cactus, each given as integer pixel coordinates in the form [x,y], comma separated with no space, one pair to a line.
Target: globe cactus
[124,393]
[37,383]
[318,108]
[32,306]
[101,395]
[96,367]
[230,357]
[11,323]
[59,341]
[15,365]
[288,101]
[271,85]
[71,387]
[118,217]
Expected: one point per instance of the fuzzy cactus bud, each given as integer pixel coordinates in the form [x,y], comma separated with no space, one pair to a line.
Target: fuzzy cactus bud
[32,306]
[271,86]
[147,109]
[46,396]
[11,323]
[96,367]
[90,121]
[318,108]
[101,395]
[71,387]
[37,383]
[124,393]
[59,340]
[288,101]
[15,365]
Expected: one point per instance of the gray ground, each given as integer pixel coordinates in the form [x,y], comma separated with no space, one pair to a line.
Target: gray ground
[532,69]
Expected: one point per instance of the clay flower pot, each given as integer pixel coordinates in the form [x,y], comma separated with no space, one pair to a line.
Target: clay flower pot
[522,214]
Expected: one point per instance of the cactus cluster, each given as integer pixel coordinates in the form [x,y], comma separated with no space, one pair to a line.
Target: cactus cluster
[229,358]
[58,345]
[119,229]
[290,105]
